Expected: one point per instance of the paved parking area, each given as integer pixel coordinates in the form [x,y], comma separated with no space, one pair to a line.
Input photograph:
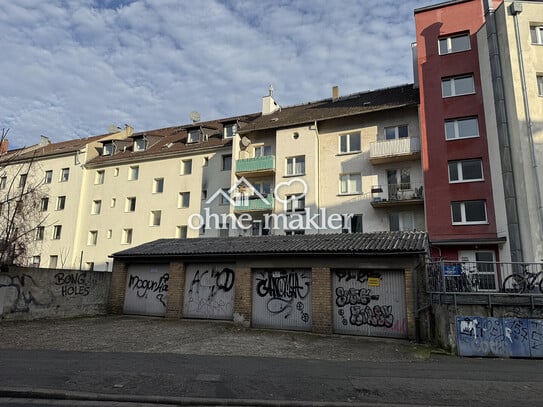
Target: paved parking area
[193,337]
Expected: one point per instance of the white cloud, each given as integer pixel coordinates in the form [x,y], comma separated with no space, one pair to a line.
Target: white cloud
[69,69]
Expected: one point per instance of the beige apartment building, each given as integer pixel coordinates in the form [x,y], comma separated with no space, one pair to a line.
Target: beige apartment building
[343,164]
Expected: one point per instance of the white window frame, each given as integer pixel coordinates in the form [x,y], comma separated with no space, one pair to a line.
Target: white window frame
[61,203]
[457,135]
[295,203]
[463,221]
[108,149]
[158,185]
[92,238]
[22,180]
[460,171]
[539,79]
[128,204]
[48,178]
[295,160]
[186,167]
[230,130]
[453,80]
[127,236]
[536,33]
[181,200]
[140,144]
[348,142]
[193,136]
[155,218]
[448,41]
[96,207]
[403,218]
[397,132]
[348,178]
[44,204]
[262,151]
[99,177]
[40,232]
[36,260]
[3,182]
[133,172]
[53,261]
[223,199]
[57,232]
[64,175]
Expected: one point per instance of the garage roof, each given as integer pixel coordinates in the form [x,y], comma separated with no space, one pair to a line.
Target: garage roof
[379,243]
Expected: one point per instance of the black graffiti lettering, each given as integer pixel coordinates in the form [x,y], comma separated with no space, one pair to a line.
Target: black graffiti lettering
[359,275]
[142,286]
[28,293]
[72,285]
[283,284]
[213,280]
[354,296]
[378,316]
[225,279]
[64,279]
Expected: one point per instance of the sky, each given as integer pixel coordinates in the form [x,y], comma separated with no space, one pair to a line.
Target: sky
[72,68]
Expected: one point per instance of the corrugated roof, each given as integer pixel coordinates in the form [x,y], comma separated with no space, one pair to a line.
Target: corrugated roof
[383,243]
[359,103]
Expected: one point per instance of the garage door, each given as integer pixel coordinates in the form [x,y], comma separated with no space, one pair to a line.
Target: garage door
[369,302]
[209,291]
[146,290]
[282,298]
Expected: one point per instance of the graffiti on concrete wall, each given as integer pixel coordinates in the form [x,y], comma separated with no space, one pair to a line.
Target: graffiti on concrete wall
[285,293]
[20,293]
[503,337]
[145,287]
[75,284]
[210,291]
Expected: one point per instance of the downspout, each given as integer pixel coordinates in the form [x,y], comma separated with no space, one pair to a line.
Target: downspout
[504,138]
[318,195]
[516,9]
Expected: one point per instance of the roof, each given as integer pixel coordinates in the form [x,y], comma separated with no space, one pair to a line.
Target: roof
[173,141]
[439,5]
[359,103]
[383,243]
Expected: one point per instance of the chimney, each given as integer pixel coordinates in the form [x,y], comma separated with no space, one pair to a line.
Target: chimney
[269,105]
[4,146]
[128,129]
[335,93]
[44,141]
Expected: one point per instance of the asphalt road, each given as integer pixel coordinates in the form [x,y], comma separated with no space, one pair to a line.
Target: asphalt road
[189,378]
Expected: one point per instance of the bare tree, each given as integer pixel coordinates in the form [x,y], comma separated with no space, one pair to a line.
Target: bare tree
[21,217]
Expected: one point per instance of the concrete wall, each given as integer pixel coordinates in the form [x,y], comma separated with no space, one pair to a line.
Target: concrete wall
[45,293]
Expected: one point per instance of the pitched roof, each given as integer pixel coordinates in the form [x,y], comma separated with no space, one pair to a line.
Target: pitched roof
[378,243]
[359,103]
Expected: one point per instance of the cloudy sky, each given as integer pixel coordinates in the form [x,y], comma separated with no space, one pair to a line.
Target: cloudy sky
[71,68]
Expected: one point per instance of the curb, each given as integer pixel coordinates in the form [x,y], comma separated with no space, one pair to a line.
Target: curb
[49,394]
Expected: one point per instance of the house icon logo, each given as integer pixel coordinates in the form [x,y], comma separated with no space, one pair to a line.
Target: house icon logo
[238,195]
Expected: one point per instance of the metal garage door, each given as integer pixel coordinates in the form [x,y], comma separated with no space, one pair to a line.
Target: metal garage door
[209,291]
[369,302]
[282,298]
[146,290]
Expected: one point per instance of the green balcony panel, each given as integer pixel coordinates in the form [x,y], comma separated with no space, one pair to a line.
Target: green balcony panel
[256,164]
[255,204]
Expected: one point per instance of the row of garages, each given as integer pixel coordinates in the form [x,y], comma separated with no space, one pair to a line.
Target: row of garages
[355,293]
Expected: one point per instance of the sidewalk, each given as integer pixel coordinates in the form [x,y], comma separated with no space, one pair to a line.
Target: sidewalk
[193,337]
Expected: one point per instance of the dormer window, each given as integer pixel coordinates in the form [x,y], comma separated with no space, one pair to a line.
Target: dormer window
[140,144]
[108,149]
[230,130]
[194,136]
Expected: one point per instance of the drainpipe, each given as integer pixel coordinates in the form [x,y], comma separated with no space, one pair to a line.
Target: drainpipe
[516,9]
[504,138]
[318,195]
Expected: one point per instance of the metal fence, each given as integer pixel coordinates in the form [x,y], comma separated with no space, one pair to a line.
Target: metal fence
[470,277]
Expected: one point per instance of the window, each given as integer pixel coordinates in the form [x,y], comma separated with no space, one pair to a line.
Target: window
[92,238]
[3,182]
[204,194]
[53,262]
[460,85]
[36,261]
[113,202]
[205,161]
[540,85]
[401,221]
[536,33]
[296,165]
[295,203]
[455,43]
[194,136]
[154,219]
[468,212]
[183,200]
[99,177]
[109,233]
[40,230]
[61,203]
[461,128]
[57,231]
[108,149]
[227,162]
[225,196]
[48,176]
[22,180]
[127,236]
[186,167]
[64,174]
[264,188]
[96,207]
[133,173]
[44,204]
[263,151]
[350,184]
[349,143]
[130,205]
[352,224]
[398,179]
[230,130]
[465,170]
[116,172]
[181,232]
[158,185]
[140,144]
[294,232]
[396,132]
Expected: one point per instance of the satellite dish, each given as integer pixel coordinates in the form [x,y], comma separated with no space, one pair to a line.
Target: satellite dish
[195,116]
[245,142]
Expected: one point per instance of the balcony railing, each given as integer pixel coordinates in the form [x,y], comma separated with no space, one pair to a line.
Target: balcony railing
[474,277]
[397,194]
[254,203]
[394,150]
[256,164]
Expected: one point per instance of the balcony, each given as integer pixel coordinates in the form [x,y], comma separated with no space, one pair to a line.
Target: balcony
[257,165]
[254,204]
[389,151]
[393,195]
